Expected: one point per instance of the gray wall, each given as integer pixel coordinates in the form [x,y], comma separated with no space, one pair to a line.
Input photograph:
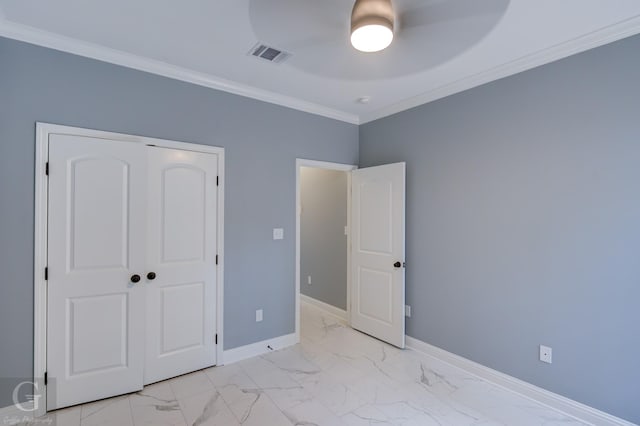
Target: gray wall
[523,223]
[323,245]
[261,142]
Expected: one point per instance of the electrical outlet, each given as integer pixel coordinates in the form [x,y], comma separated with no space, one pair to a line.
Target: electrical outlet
[407,311]
[278,233]
[545,354]
[308,279]
[258,315]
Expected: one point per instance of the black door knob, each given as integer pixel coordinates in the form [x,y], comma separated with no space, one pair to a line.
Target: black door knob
[135,278]
[151,276]
[397,265]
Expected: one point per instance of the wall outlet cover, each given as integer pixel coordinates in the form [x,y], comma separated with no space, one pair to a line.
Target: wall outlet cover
[258,315]
[407,311]
[546,354]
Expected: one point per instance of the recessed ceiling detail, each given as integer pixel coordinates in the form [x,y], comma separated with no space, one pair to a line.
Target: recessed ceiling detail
[428,33]
[440,47]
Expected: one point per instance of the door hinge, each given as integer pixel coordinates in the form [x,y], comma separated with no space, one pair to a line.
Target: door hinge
[46,273]
[46,169]
[216,338]
[216,259]
[217,180]
[45,378]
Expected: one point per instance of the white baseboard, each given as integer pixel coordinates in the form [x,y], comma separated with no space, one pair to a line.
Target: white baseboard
[341,314]
[552,400]
[259,348]
[12,415]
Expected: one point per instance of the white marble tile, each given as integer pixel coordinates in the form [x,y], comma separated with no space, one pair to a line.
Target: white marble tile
[156,405]
[156,394]
[114,411]
[366,415]
[207,408]
[190,384]
[312,413]
[229,375]
[336,376]
[169,415]
[260,412]
[65,416]
[286,398]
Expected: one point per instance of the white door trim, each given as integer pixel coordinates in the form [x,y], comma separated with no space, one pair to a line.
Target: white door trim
[300,162]
[43,130]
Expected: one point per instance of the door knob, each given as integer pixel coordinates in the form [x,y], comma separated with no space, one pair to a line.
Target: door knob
[135,278]
[151,276]
[397,265]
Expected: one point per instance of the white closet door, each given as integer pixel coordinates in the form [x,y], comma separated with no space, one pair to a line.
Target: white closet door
[97,204]
[377,251]
[181,252]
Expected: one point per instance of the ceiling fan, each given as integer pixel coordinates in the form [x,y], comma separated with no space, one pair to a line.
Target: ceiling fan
[318,35]
[372,25]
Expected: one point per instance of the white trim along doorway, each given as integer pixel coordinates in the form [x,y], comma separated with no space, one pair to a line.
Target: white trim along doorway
[44,132]
[327,166]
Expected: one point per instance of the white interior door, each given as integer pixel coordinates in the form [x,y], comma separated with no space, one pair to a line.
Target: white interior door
[377,252]
[95,324]
[181,252]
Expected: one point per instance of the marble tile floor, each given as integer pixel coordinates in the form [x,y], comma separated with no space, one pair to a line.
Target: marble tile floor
[336,376]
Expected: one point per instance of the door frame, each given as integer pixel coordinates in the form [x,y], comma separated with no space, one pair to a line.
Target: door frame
[43,130]
[300,162]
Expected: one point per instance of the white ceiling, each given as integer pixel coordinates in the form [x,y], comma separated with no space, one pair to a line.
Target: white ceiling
[441,46]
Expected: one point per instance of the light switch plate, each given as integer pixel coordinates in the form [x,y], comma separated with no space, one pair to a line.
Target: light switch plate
[278,233]
[258,315]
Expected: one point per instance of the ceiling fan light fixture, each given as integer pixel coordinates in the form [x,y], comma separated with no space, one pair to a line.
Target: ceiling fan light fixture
[372,25]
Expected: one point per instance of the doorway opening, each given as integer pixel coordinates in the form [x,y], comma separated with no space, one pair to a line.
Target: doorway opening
[323,215]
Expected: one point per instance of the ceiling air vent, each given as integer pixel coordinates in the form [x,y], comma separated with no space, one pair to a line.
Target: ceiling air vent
[268,53]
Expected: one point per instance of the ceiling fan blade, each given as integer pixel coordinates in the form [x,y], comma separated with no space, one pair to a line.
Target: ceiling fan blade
[449,11]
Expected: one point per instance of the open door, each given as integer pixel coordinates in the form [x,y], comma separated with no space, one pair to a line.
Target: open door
[377,252]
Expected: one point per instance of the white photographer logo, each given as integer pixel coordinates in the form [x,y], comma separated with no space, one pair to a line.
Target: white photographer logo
[30,398]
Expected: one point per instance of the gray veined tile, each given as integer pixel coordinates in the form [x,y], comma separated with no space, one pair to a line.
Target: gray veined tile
[190,384]
[65,416]
[312,413]
[160,415]
[292,361]
[336,395]
[260,411]
[207,409]
[335,376]
[114,411]
[156,405]
[365,416]
[156,394]
[229,375]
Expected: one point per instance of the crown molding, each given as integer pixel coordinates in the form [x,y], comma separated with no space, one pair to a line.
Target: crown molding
[66,44]
[580,44]
[609,34]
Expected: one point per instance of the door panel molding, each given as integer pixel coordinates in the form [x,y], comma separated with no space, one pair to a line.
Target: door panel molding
[378,252]
[43,132]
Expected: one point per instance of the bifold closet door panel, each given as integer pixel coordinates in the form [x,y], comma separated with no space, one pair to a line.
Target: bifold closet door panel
[181,258]
[96,243]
